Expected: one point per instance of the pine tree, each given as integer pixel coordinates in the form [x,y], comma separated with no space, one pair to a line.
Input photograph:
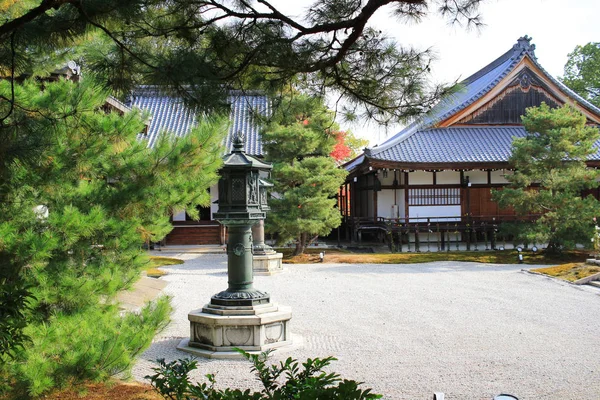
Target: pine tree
[81,194]
[550,175]
[201,48]
[298,141]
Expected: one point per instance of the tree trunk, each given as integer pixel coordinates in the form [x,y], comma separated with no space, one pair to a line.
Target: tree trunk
[554,247]
[300,244]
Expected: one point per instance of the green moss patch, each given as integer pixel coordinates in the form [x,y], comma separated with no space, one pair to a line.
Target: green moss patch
[156,262]
[482,256]
[569,272]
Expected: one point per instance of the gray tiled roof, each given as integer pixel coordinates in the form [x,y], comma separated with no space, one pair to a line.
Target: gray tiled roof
[455,145]
[170,114]
[472,89]
[355,162]
[472,144]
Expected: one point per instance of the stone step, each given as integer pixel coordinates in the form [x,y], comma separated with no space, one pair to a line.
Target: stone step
[204,249]
[198,235]
[594,283]
[143,291]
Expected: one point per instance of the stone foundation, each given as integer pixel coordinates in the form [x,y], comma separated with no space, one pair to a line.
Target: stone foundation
[267,264]
[216,330]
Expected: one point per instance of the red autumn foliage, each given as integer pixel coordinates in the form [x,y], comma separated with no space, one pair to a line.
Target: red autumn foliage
[340,151]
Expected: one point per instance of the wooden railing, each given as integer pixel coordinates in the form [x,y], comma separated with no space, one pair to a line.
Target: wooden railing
[437,233]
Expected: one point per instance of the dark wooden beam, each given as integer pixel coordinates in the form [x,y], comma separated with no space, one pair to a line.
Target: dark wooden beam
[375,164]
[406,196]
[374,204]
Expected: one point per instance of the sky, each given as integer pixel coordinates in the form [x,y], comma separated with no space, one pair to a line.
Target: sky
[555,26]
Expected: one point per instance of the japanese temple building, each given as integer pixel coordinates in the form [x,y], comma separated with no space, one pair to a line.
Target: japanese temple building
[442,167]
[170,114]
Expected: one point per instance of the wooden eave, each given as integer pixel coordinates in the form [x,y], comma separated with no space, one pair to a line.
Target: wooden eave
[379,164]
[503,85]
[593,163]
[116,105]
[369,165]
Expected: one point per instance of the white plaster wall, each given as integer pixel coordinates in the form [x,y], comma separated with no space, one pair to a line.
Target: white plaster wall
[417,212]
[433,238]
[389,180]
[214,195]
[420,178]
[401,203]
[477,177]
[498,176]
[386,181]
[447,178]
[385,201]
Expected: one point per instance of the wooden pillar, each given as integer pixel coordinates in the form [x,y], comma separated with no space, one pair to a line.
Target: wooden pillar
[406,197]
[348,216]
[346,199]
[374,202]
[352,210]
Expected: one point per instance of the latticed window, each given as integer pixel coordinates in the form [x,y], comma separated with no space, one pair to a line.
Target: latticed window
[434,197]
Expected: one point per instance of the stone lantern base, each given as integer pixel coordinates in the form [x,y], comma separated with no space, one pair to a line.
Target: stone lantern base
[267,264]
[216,330]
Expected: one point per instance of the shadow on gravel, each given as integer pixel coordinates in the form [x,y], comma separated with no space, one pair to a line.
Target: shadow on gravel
[167,348]
[222,273]
[202,263]
[360,250]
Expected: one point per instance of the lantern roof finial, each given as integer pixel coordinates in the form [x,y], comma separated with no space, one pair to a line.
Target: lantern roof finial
[238,142]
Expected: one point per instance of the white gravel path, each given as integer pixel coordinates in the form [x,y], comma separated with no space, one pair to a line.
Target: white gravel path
[469,330]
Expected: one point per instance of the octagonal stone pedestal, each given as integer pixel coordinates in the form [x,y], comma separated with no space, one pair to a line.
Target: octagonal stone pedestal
[216,330]
[265,261]
[267,264]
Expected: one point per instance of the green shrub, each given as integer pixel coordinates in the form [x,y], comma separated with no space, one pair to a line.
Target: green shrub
[84,346]
[14,298]
[288,380]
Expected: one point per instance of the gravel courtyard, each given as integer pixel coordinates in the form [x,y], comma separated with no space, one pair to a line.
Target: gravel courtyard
[469,330]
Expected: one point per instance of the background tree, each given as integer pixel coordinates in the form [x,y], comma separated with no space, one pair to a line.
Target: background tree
[202,48]
[347,146]
[298,141]
[550,175]
[582,72]
[80,194]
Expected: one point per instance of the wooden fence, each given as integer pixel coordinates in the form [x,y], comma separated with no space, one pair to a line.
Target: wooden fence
[437,233]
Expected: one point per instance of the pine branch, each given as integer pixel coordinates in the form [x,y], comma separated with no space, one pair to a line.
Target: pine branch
[12,80]
[217,43]
[46,5]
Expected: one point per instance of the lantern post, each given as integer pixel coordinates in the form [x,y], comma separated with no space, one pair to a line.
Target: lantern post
[240,316]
